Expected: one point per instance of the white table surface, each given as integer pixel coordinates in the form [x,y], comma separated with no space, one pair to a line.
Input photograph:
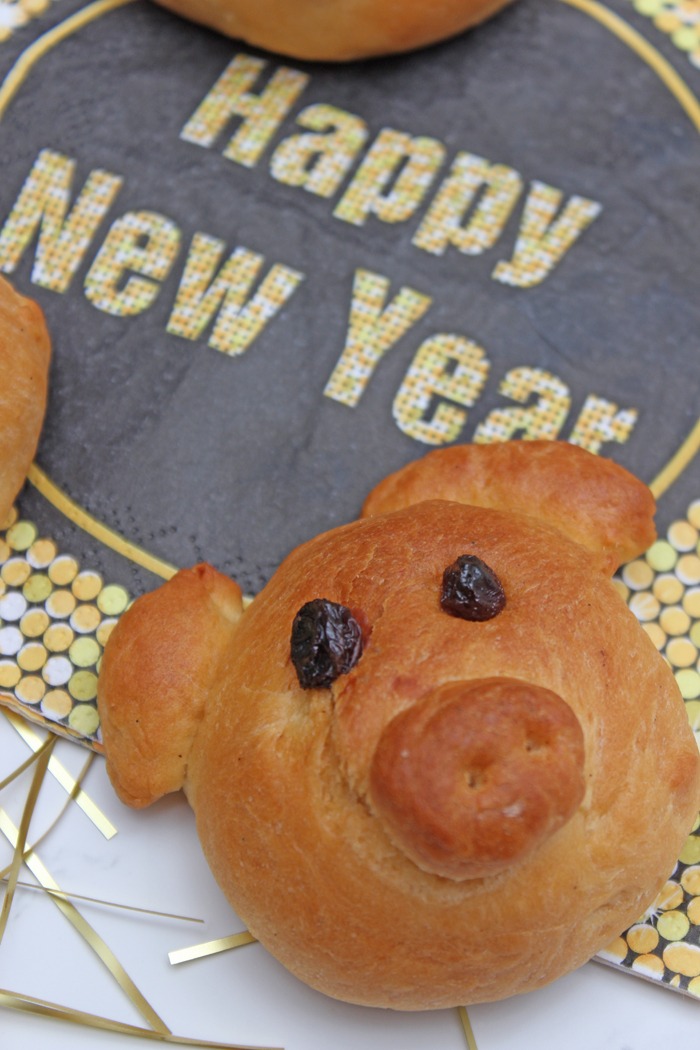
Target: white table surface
[242,996]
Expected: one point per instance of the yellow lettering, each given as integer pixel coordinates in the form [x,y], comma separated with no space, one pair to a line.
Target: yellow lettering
[262,114]
[204,293]
[392,179]
[64,232]
[448,367]
[601,421]
[494,187]
[543,419]
[373,329]
[142,243]
[320,162]
[544,239]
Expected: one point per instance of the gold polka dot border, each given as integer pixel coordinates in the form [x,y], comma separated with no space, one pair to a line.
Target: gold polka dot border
[679,20]
[55,619]
[664,945]
[18,13]
[663,591]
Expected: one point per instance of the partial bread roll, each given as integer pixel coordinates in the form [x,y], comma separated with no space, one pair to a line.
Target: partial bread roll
[337,30]
[436,761]
[25,353]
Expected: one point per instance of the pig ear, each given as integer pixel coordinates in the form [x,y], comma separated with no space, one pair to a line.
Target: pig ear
[591,499]
[478,775]
[156,673]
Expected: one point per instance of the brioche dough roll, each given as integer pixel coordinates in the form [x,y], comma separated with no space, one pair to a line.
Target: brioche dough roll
[25,353]
[474,800]
[336,30]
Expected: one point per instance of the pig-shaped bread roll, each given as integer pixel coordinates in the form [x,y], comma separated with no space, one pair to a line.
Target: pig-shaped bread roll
[436,761]
[337,30]
[25,354]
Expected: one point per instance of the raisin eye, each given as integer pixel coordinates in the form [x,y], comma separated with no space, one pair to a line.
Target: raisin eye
[471,590]
[326,642]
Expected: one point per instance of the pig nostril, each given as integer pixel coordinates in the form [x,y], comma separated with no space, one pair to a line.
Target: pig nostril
[535,743]
[475,778]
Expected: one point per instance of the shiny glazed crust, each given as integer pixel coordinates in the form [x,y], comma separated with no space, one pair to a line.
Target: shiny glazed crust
[337,30]
[450,772]
[25,353]
[330,854]
[157,675]
[590,498]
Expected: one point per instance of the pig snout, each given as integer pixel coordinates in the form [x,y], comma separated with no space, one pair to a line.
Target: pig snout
[473,777]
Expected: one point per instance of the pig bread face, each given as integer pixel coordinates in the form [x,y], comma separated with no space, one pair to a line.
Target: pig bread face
[467,757]
[474,774]
[423,761]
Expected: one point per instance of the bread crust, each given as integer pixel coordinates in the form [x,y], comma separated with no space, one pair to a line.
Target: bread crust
[337,30]
[25,355]
[156,676]
[593,500]
[323,846]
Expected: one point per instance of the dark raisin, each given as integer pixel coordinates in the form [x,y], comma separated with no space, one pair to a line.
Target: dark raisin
[471,590]
[326,642]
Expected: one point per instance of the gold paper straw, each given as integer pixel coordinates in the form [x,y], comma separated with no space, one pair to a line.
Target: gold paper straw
[64,778]
[467,1026]
[41,1007]
[93,939]
[49,742]
[221,944]
[27,812]
[67,895]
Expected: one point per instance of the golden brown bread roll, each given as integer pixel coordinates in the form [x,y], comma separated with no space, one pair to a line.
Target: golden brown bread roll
[438,761]
[25,353]
[337,30]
